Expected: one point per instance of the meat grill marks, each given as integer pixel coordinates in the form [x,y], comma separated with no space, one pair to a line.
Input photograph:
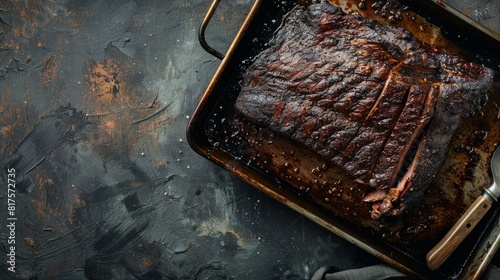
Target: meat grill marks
[362,94]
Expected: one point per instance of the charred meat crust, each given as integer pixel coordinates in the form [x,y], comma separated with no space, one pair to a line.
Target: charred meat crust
[363,94]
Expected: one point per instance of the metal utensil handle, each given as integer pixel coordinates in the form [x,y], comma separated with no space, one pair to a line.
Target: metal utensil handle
[438,255]
[203,27]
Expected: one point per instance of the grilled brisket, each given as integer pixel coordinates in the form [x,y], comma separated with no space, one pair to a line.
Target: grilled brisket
[362,94]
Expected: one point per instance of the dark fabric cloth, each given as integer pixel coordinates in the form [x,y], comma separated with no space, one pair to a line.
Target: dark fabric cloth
[381,272]
[375,272]
[493,272]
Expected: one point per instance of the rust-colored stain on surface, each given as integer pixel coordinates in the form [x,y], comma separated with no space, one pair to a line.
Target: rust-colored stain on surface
[104,79]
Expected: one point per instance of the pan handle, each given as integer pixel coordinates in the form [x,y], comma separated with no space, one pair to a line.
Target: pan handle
[203,27]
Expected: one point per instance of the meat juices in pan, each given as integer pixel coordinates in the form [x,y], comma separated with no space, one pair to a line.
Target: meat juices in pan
[367,96]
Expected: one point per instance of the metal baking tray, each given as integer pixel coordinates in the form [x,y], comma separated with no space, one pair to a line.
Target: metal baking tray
[296,176]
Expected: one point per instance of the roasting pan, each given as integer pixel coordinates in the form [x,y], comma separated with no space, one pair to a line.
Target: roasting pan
[293,175]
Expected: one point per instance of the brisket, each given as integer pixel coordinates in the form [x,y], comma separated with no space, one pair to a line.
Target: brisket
[367,96]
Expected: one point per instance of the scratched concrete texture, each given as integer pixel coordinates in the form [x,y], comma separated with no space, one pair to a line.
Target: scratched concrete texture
[95,97]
